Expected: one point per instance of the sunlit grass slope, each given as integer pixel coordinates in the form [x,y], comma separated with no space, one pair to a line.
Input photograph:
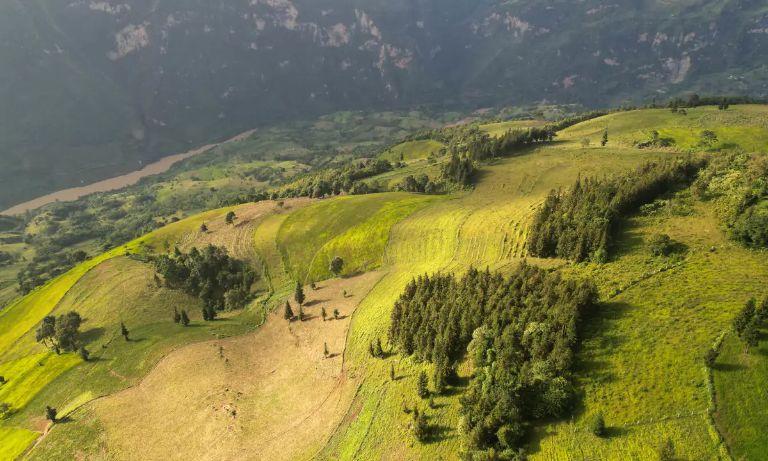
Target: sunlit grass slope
[353,227]
[741,383]
[486,226]
[106,290]
[412,150]
[743,126]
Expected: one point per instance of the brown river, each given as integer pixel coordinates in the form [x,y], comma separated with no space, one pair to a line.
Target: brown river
[118,182]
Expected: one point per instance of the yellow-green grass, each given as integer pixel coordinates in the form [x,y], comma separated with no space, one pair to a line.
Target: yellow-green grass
[392,179]
[412,150]
[744,126]
[14,441]
[354,225]
[486,226]
[499,128]
[31,369]
[641,363]
[740,388]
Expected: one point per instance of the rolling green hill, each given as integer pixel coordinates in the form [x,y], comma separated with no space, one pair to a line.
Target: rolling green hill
[640,364]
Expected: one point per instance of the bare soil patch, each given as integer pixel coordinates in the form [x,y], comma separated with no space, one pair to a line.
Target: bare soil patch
[268,395]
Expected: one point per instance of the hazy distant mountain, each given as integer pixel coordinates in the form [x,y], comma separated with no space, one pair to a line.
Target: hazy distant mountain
[90,88]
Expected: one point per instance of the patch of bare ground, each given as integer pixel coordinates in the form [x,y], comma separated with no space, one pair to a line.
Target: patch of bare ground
[269,395]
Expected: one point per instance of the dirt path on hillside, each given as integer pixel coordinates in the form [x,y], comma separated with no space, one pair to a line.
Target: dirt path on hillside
[118,182]
[266,396]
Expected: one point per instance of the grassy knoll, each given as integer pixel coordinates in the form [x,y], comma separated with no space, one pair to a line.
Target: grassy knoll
[499,128]
[641,364]
[356,226]
[412,150]
[486,226]
[105,290]
[743,126]
[741,393]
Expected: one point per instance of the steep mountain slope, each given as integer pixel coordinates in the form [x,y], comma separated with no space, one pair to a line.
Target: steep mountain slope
[640,363]
[94,87]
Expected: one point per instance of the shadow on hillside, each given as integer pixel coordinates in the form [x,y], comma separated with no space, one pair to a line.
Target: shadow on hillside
[91,335]
[726,367]
[315,302]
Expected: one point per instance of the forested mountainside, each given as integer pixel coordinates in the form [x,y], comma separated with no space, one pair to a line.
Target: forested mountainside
[91,88]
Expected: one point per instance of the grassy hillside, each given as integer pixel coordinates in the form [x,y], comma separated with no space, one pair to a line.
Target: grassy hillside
[640,364]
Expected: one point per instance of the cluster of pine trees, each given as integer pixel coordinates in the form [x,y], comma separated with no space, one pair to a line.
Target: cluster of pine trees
[578,224]
[749,320]
[211,274]
[519,333]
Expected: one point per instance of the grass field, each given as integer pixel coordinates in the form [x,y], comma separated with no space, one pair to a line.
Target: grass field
[740,384]
[640,363]
[412,150]
[499,128]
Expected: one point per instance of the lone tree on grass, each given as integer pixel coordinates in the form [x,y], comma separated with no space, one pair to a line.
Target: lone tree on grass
[209,313]
[84,353]
[604,141]
[299,294]
[176,316]
[391,372]
[597,425]
[288,312]
[50,414]
[60,333]
[337,263]
[667,450]
[336,314]
[420,426]
[230,218]
[301,313]
[203,228]
[124,331]
[422,388]
[323,313]
[325,349]
[184,318]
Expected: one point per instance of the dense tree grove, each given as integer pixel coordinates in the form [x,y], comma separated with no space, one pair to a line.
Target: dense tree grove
[749,320]
[217,279]
[739,182]
[578,224]
[519,333]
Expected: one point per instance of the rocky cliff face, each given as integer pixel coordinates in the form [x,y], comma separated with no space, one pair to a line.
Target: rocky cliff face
[90,87]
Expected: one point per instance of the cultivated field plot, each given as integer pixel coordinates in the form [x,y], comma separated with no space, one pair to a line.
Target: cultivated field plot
[254,386]
[272,394]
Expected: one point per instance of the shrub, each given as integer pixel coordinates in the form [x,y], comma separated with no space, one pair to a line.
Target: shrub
[597,425]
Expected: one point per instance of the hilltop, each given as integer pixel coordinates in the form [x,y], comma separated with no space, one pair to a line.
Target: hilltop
[253,384]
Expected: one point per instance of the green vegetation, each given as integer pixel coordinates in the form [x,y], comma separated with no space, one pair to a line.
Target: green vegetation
[676,279]
[519,334]
[579,224]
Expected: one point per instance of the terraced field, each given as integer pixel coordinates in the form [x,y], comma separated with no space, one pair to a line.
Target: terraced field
[271,394]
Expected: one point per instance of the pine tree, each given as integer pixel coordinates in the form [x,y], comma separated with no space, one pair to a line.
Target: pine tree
[751,335]
[597,425]
[301,313]
[203,228]
[391,372]
[84,353]
[230,218]
[604,141]
[288,312]
[422,388]
[176,316]
[325,349]
[50,414]
[299,294]
[184,318]
[337,263]
[323,313]
[336,314]
[124,331]
[420,426]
